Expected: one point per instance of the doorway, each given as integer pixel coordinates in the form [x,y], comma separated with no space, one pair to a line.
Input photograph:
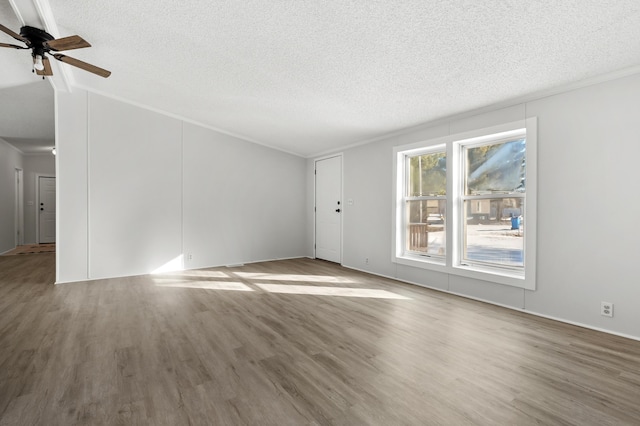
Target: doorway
[19,211]
[46,229]
[328,209]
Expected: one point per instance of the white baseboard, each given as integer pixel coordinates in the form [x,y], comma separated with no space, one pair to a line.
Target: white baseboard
[235,265]
[5,252]
[524,310]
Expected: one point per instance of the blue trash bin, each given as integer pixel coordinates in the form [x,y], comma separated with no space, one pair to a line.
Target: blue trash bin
[515,222]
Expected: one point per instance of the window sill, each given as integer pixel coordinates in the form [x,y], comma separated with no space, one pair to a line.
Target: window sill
[496,276]
[424,262]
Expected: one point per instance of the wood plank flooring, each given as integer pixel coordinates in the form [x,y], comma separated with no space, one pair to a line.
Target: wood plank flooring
[296,342]
[32,249]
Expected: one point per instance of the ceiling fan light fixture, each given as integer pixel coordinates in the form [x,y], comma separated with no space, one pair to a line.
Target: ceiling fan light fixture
[42,43]
[37,63]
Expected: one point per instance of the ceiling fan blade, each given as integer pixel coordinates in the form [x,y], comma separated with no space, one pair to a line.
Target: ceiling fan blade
[12,46]
[13,34]
[47,67]
[82,65]
[67,43]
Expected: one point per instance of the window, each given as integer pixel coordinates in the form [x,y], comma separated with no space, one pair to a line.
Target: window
[425,203]
[492,202]
[465,204]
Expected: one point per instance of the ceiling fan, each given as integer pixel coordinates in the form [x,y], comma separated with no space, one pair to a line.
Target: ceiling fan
[42,43]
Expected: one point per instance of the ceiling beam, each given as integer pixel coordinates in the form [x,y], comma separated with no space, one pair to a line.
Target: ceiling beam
[38,13]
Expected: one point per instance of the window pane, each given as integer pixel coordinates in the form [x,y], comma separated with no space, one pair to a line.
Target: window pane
[427,175]
[494,231]
[426,226]
[496,168]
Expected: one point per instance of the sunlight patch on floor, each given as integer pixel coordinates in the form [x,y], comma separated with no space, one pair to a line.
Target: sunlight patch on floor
[330,291]
[206,285]
[292,277]
[203,274]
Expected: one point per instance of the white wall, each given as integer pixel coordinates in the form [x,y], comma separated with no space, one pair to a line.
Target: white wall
[588,155]
[41,164]
[134,189]
[72,236]
[242,202]
[588,206]
[107,181]
[137,190]
[10,160]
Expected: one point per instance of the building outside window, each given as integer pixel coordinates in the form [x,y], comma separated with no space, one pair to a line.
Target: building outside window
[492,202]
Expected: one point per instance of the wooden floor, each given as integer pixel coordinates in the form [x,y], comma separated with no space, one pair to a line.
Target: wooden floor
[297,342]
[32,249]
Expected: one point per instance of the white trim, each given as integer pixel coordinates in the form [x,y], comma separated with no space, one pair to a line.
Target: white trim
[579,324]
[403,182]
[12,147]
[475,138]
[61,74]
[398,164]
[184,257]
[16,10]
[115,277]
[88,178]
[38,13]
[415,261]
[57,167]
[531,205]
[42,154]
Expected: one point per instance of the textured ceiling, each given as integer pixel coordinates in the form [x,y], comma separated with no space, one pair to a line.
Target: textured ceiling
[26,101]
[27,117]
[15,65]
[311,76]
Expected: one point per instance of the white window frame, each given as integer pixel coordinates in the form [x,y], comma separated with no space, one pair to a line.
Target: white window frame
[437,259]
[523,277]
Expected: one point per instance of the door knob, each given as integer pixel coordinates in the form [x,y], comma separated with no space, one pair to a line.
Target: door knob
[337,210]
[41,209]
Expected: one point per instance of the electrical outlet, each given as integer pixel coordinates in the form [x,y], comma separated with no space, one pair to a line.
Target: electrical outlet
[189,256]
[366,260]
[606,309]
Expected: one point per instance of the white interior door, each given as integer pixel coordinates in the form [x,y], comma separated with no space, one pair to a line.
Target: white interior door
[47,209]
[329,209]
